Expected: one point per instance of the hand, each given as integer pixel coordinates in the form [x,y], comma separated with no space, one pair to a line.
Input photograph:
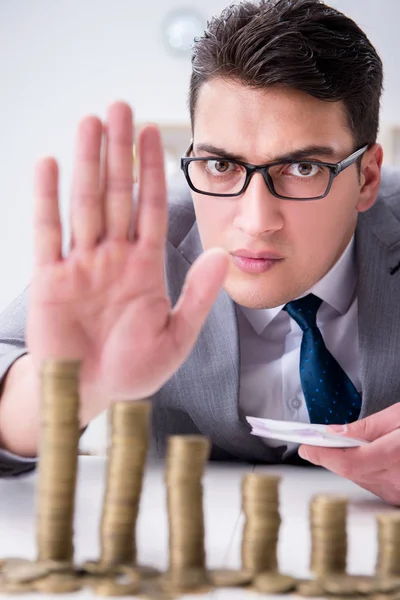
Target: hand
[375,466]
[105,303]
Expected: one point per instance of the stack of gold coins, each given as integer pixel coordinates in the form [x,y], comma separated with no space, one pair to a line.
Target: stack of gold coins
[186,459]
[126,463]
[388,559]
[260,497]
[59,440]
[328,534]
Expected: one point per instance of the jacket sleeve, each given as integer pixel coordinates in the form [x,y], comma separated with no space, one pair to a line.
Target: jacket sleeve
[12,347]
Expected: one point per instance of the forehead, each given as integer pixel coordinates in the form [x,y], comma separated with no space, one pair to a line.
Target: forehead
[262,124]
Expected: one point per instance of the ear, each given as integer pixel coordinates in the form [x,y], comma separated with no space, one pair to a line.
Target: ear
[370,177]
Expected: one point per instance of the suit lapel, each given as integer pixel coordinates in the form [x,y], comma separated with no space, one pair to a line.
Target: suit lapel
[378,283]
[215,363]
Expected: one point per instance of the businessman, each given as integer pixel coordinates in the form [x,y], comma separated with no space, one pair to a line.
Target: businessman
[268,287]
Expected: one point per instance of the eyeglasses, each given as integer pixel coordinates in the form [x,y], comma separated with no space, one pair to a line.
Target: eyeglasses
[302,180]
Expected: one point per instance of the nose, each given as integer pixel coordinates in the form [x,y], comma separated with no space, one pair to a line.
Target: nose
[258,211]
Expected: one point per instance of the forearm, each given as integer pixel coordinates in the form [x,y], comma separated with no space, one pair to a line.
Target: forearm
[19,409]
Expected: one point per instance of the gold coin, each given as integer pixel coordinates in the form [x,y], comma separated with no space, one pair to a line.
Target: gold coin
[197,445]
[344,585]
[11,563]
[328,499]
[229,577]
[57,566]
[311,588]
[380,596]
[146,572]
[379,585]
[120,585]
[98,568]
[14,587]
[58,583]
[68,368]
[274,583]
[184,580]
[94,567]
[23,573]
[151,590]
[353,597]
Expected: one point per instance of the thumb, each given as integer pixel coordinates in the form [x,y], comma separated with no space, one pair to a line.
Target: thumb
[202,286]
[372,427]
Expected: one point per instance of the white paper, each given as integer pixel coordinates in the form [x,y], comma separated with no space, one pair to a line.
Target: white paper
[301,433]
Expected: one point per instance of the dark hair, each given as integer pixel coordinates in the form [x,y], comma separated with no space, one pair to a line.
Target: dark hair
[303,44]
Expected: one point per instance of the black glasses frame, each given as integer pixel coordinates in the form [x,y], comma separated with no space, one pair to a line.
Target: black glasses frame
[334,170]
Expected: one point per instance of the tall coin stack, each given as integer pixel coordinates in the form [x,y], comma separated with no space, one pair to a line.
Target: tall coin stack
[260,498]
[59,440]
[388,559]
[125,468]
[328,516]
[185,462]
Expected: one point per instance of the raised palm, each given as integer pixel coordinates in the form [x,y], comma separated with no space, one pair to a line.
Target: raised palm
[106,303]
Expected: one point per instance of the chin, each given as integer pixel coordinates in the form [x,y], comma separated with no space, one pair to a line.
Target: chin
[262,294]
[252,297]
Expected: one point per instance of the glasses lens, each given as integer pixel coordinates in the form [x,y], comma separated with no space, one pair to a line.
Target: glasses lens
[300,180]
[217,176]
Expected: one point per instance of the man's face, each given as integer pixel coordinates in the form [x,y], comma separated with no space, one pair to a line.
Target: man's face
[305,238]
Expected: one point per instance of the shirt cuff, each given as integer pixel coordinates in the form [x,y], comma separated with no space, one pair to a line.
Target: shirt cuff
[12,465]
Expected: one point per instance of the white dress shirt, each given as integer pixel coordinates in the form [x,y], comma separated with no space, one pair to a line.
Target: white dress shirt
[270,346]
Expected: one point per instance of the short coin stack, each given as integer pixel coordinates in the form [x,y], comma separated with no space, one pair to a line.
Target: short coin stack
[388,559]
[58,460]
[185,462]
[328,516]
[261,529]
[126,463]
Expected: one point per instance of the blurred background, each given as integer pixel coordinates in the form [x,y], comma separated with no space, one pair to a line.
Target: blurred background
[62,59]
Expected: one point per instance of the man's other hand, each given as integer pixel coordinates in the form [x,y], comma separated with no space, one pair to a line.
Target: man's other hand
[375,466]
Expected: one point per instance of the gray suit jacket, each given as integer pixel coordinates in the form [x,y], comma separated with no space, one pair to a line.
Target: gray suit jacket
[203,394]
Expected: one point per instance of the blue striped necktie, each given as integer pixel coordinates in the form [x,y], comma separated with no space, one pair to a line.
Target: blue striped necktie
[329,393]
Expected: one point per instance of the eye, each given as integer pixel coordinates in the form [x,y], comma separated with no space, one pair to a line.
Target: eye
[303,169]
[220,167]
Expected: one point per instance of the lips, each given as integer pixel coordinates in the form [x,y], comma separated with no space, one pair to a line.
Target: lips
[267,255]
[255,262]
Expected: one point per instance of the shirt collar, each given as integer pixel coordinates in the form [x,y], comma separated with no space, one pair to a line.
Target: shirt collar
[336,288]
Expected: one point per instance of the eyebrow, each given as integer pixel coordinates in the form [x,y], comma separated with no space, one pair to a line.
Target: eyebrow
[300,154]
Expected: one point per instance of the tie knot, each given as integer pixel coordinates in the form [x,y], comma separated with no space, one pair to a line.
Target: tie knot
[304,311]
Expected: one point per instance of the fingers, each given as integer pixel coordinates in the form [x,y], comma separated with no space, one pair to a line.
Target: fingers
[319,456]
[381,454]
[357,463]
[202,286]
[87,220]
[118,171]
[152,212]
[375,467]
[374,426]
[46,214]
